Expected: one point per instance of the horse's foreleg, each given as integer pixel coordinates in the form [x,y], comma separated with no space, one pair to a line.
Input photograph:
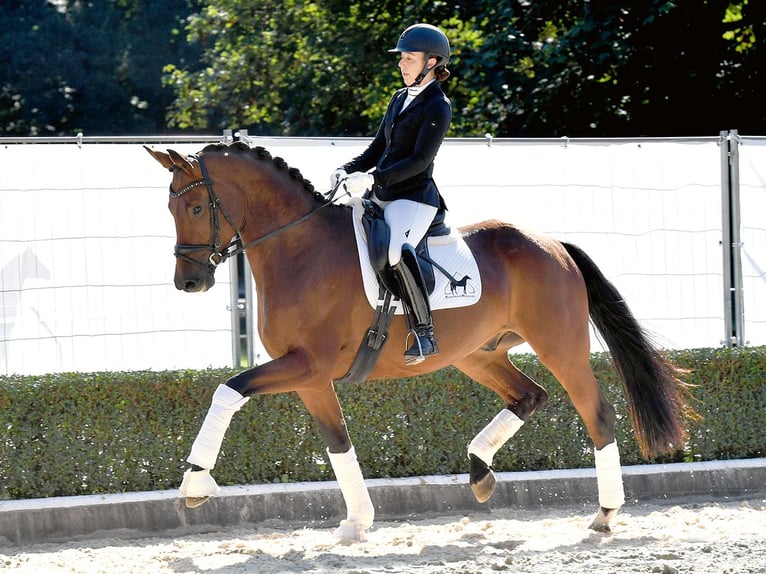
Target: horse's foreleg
[198,486]
[360,512]
[282,374]
[324,407]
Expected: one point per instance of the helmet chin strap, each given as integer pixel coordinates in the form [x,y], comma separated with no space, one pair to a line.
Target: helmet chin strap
[421,76]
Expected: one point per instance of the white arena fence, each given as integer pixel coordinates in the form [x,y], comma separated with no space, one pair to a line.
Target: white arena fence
[86,241]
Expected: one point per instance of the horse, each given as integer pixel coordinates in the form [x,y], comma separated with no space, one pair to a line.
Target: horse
[312,312]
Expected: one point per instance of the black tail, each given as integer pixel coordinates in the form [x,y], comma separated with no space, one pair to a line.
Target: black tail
[657,398]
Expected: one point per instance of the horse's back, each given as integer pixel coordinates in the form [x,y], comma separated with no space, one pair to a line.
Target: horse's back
[494,240]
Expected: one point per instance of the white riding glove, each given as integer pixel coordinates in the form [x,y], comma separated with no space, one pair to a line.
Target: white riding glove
[337,175]
[359,182]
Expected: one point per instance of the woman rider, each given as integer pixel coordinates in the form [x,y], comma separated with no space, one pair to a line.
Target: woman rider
[397,168]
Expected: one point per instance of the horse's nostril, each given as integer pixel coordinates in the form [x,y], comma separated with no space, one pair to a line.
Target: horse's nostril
[190,285]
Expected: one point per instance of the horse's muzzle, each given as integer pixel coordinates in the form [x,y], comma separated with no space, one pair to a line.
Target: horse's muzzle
[194,283]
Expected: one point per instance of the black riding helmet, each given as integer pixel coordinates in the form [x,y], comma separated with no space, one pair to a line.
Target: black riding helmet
[428,39]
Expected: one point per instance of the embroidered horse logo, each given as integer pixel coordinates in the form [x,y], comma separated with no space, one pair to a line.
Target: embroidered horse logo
[455,284]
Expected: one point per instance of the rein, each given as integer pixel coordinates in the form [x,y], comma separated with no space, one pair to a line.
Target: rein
[235,247]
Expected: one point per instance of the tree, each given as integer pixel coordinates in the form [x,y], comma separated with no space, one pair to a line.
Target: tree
[596,69]
[88,66]
[571,68]
[290,67]
[568,68]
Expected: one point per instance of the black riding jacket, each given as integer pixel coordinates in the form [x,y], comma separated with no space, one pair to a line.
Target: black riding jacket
[405,146]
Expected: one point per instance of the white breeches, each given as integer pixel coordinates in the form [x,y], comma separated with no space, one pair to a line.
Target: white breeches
[409,221]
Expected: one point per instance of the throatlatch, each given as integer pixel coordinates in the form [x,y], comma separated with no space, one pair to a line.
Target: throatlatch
[413,289]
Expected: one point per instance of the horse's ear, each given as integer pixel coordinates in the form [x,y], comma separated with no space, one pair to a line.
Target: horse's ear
[172,159]
[162,157]
[182,162]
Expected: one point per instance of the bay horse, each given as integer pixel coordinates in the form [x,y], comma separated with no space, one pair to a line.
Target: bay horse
[312,313]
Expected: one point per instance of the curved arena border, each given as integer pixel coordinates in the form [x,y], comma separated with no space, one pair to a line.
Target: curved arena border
[319,504]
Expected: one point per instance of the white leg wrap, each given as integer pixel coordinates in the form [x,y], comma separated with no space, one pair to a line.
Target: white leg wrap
[486,444]
[226,401]
[609,477]
[360,512]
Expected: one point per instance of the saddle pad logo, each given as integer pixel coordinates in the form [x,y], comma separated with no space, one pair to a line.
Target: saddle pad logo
[460,288]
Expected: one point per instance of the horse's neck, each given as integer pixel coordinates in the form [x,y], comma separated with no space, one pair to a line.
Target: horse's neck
[316,246]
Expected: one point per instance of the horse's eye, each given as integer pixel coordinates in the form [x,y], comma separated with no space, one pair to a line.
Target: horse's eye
[197,209]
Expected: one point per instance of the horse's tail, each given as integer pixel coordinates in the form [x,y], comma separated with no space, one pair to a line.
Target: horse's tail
[657,398]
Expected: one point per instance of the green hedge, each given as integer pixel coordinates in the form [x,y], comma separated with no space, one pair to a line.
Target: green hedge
[80,433]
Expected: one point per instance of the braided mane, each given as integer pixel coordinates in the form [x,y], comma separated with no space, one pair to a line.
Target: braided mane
[263,154]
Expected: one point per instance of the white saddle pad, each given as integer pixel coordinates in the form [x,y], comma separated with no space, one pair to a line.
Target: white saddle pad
[449,251]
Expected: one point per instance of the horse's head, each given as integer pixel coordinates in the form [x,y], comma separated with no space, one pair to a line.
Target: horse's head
[202,235]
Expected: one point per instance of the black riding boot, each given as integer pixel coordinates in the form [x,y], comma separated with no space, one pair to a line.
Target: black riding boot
[413,287]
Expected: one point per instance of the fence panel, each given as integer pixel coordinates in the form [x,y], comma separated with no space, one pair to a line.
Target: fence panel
[86,241]
[752,196]
[86,253]
[647,211]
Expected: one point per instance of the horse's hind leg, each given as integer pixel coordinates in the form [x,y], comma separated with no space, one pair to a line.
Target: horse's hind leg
[569,361]
[522,396]
[599,418]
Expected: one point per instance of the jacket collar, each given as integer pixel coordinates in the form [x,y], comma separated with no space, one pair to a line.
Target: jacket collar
[428,92]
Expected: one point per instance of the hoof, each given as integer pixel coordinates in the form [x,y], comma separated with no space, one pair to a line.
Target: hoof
[350,531]
[602,520]
[195,501]
[198,486]
[482,479]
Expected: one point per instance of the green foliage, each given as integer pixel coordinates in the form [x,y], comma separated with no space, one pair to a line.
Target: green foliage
[321,68]
[519,69]
[94,67]
[730,396]
[92,433]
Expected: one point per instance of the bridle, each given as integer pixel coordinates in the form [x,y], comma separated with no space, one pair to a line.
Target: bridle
[217,254]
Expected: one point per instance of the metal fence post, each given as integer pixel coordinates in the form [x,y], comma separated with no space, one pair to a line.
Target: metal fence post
[248,311]
[734,312]
[236,308]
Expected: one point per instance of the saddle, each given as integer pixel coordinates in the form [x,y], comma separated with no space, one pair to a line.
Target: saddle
[378,277]
[378,236]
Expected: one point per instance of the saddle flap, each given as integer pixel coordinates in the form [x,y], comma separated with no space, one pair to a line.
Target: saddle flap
[378,238]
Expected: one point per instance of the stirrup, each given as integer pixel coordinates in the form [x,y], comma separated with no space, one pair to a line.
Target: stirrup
[423,346]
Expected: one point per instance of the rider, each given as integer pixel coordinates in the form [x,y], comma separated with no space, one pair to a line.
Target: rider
[401,157]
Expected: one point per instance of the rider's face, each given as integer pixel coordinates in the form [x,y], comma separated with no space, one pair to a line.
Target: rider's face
[410,65]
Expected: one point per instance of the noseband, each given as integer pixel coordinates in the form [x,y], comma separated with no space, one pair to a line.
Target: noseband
[218,255]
